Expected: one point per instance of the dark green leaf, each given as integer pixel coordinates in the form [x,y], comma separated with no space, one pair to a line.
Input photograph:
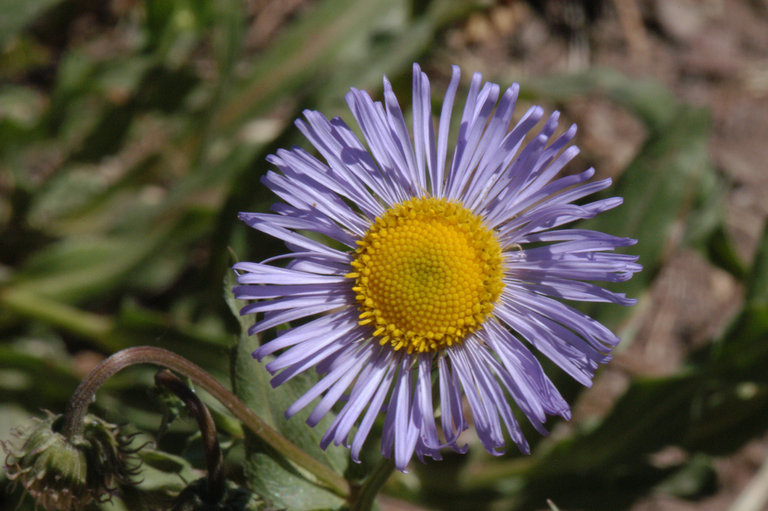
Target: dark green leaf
[693,479]
[726,415]
[757,283]
[269,475]
[17,14]
[651,414]
[163,471]
[742,352]
[722,252]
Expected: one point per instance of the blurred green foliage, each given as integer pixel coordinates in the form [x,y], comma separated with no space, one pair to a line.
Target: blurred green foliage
[132,132]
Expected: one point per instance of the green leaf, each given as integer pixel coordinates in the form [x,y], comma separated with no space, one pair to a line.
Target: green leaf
[270,475]
[660,189]
[742,352]
[650,415]
[336,44]
[307,48]
[161,471]
[693,479]
[389,47]
[757,283]
[694,411]
[70,189]
[185,336]
[20,110]
[78,268]
[173,407]
[17,14]
[36,373]
[648,99]
[725,415]
[721,251]
[611,457]
[705,228]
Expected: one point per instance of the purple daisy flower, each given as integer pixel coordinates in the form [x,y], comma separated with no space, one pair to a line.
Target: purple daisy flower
[456,266]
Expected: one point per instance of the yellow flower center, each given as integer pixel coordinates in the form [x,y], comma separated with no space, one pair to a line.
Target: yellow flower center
[427,274]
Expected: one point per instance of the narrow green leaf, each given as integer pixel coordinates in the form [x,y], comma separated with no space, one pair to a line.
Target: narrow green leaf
[721,251]
[31,375]
[338,43]
[742,352]
[17,14]
[306,48]
[653,103]
[660,189]
[757,283]
[75,269]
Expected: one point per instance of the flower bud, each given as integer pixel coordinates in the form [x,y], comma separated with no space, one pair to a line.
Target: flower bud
[65,474]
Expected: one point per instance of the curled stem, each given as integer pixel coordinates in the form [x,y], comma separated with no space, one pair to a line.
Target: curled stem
[86,391]
[214,460]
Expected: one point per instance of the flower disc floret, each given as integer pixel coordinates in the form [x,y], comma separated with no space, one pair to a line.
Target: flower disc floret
[427,274]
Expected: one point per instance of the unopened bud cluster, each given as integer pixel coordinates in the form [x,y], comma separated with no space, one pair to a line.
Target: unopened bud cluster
[63,473]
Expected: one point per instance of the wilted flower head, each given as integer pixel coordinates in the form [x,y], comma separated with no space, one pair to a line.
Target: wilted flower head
[450,264]
[63,473]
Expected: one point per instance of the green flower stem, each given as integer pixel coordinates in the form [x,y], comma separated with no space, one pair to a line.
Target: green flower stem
[214,460]
[363,499]
[86,391]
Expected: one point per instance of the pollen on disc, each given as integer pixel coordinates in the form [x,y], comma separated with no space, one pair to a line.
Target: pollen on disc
[428,273]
